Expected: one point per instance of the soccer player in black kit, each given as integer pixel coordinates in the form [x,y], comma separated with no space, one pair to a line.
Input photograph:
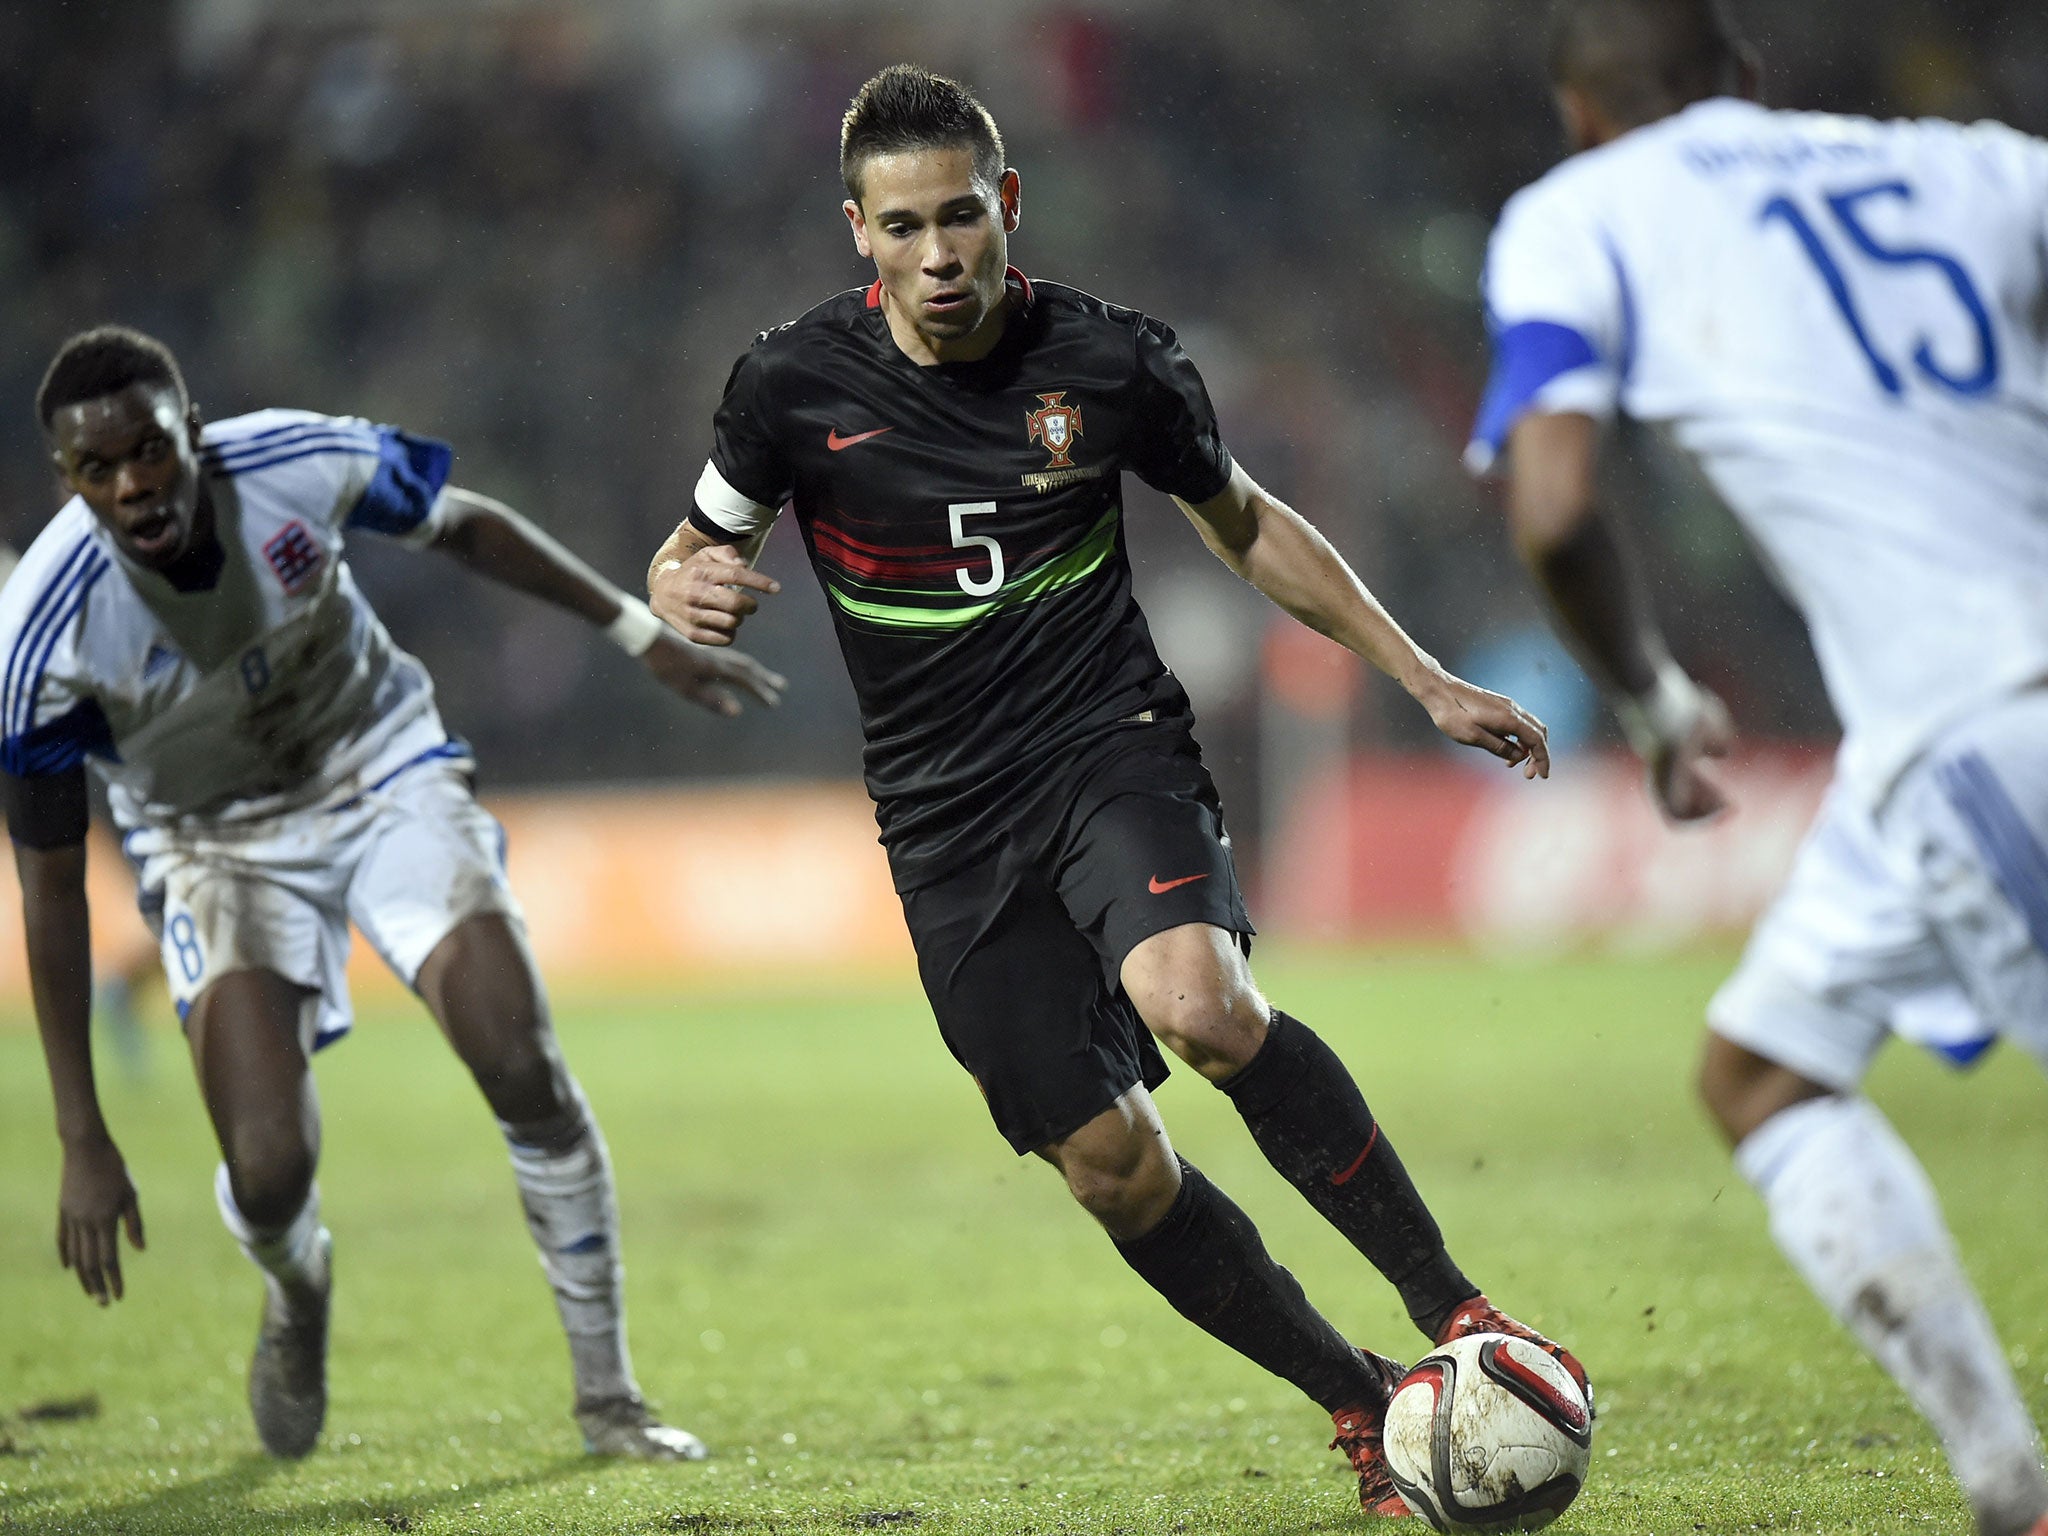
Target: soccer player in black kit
[953,439]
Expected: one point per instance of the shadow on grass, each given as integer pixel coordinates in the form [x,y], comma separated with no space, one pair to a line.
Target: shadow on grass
[218,1503]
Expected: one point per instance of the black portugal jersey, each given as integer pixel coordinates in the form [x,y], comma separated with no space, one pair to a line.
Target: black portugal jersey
[966,522]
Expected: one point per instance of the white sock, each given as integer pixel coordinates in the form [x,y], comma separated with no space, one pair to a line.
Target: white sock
[565,1185]
[1853,1211]
[293,1257]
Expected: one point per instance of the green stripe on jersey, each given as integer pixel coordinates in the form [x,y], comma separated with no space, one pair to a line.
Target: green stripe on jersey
[1077,564]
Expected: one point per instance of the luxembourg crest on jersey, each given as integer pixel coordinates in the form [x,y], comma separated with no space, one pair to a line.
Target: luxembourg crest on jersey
[1056,425]
[295,556]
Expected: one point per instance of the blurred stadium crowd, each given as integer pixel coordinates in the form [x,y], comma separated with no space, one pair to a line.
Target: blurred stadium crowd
[544,232]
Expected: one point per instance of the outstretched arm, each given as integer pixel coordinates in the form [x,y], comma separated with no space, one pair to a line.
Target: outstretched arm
[496,542]
[1577,554]
[95,1198]
[1281,553]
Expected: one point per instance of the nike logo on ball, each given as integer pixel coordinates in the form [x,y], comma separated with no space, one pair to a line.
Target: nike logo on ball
[1159,887]
[835,442]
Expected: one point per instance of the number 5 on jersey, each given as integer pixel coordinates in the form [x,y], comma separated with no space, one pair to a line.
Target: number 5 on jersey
[962,539]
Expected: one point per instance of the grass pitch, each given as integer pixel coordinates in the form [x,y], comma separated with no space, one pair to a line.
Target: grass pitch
[840,1278]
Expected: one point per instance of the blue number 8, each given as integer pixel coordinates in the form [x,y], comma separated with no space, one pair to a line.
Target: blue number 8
[185,940]
[1845,207]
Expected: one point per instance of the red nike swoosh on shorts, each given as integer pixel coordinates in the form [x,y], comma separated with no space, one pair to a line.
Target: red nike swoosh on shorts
[1159,887]
[835,442]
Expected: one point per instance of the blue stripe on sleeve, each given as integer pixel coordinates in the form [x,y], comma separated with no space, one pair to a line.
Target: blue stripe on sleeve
[279,437]
[59,745]
[39,614]
[73,603]
[35,655]
[363,444]
[410,473]
[1525,358]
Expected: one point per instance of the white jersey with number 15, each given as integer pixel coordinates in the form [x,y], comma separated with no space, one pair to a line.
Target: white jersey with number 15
[1843,321]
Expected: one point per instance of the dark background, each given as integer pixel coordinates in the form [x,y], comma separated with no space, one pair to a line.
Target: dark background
[545,232]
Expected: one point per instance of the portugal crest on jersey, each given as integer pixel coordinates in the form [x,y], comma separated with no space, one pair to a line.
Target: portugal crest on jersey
[1056,425]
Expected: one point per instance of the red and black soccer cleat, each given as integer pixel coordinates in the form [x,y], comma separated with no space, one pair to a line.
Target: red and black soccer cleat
[1481,1316]
[1358,1437]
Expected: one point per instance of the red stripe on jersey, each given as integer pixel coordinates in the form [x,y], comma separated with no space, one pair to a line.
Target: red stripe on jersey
[885,550]
[883,563]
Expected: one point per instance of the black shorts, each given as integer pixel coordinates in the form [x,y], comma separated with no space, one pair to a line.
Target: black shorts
[1021,953]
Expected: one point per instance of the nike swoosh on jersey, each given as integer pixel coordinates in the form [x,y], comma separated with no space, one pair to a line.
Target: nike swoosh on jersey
[835,442]
[1159,887]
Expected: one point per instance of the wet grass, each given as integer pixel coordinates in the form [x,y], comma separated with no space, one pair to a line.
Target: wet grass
[881,1321]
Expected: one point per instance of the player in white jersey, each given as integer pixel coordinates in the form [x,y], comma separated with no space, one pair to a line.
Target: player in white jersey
[1840,319]
[276,765]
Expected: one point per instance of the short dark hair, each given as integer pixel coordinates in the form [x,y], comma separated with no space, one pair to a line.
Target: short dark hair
[105,361]
[905,107]
[1640,60]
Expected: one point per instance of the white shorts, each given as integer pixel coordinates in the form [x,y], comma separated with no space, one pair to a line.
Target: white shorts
[406,861]
[1927,920]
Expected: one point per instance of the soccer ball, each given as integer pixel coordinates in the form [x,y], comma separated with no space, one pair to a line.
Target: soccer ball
[1488,1433]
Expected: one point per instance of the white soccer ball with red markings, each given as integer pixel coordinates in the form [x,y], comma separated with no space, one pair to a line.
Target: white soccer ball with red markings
[1488,1433]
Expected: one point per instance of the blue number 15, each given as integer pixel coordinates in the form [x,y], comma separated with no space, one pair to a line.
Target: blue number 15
[1846,208]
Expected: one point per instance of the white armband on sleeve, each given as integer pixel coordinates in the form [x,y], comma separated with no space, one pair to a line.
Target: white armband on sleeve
[734,512]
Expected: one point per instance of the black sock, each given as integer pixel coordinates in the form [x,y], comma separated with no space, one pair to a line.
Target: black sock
[1308,1117]
[1205,1257]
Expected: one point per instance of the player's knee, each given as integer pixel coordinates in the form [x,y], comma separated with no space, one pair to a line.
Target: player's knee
[1741,1090]
[1215,1028]
[1127,1201]
[271,1175]
[1127,1184]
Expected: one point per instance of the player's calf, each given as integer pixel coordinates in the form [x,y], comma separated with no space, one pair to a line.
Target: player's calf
[564,1175]
[1307,1115]
[1210,1264]
[1853,1210]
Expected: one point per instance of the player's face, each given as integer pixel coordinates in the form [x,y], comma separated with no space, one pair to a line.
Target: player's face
[133,458]
[939,238]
